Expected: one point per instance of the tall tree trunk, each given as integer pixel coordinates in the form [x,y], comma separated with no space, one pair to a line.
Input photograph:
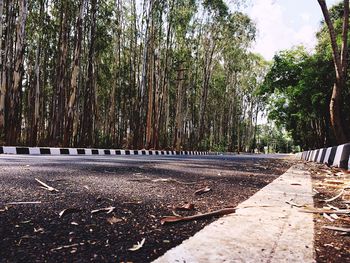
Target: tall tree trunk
[207,71]
[70,114]
[14,125]
[58,102]
[150,101]
[144,56]
[179,118]
[2,80]
[134,70]
[89,98]
[36,113]
[116,79]
[341,66]
[163,85]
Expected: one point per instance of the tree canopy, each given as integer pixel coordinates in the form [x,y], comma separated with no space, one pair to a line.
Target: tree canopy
[298,89]
[154,74]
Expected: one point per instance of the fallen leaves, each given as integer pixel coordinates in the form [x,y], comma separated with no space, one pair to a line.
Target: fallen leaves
[138,245]
[174,219]
[334,181]
[328,217]
[108,210]
[113,220]
[68,211]
[202,190]
[46,186]
[327,211]
[332,193]
[39,230]
[340,229]
[335,197]
[4,209]
[66,246]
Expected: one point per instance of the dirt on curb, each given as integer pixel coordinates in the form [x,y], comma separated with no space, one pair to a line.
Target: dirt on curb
[141,193]
[331,188]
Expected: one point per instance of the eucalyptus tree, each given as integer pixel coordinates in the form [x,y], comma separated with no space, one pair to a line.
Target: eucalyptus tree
[2,87]
[71,111]
[126,73]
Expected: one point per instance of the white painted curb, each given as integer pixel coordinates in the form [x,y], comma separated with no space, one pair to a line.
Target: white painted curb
[337,156]
[84,151]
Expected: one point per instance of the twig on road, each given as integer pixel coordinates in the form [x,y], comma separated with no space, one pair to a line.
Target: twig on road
[174,219]
[24,203]
[45,186]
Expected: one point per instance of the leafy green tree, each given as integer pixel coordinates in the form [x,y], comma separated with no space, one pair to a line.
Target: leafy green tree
[340,59]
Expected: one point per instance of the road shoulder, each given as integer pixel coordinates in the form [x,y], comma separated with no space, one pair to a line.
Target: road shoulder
[264,228]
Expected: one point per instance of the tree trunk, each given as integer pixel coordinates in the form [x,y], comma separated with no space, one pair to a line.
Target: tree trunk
[179,118]
[70,114]
[14,125]
[59,95]
[207,71]
[150,102]
[2,78]
[341,66]
[89,98]
[36,114]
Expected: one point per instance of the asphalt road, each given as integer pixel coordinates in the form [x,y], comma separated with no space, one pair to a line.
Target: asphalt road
[142,189]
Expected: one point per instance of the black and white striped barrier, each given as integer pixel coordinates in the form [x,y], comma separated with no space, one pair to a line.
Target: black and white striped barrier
[84,151]
[337,156]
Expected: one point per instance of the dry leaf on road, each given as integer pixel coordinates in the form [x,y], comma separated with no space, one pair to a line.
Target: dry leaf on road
[66,246]
[68,211]
[328,211]
[202,190]
[336,228]
[138,245]
[106,209]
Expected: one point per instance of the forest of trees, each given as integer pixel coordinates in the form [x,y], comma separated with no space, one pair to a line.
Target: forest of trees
[124,73]
[308,93]
[172,74]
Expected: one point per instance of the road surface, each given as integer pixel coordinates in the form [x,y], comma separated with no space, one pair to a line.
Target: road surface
[140,189]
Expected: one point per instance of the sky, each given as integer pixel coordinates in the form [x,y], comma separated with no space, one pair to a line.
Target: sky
[283,24]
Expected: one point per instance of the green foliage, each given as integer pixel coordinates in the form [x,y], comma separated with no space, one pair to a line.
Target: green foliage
[162,59]
[298,89]
[219,7]
[271,139]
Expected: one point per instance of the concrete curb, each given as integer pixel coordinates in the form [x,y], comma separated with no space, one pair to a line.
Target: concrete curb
[85,151]
[337,156]
[263,229]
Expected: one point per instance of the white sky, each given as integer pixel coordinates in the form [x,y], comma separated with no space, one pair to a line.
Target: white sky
[283,24]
